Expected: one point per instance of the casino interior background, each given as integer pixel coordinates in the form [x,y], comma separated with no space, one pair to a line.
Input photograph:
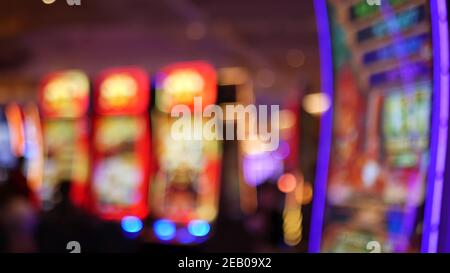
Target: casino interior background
[278,50]
[260,52]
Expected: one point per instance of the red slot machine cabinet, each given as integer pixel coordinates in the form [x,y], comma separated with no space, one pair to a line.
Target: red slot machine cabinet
[121,144]
[64,101]
[185,188]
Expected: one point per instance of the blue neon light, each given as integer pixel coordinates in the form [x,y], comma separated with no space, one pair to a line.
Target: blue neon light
[164,229]
[199,228]
[131,224]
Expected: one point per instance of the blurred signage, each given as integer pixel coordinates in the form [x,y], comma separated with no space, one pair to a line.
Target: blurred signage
[181,82]
[64,94]
[122,91]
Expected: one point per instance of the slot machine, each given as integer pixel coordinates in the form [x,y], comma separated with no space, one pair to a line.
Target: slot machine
[64,102]
[382,154]
[185,187]
[121,161]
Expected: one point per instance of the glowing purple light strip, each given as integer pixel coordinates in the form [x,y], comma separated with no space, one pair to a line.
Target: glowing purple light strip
[439,130]
[326,75]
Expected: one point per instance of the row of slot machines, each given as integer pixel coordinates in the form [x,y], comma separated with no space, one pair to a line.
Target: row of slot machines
[112,140]
[101,142]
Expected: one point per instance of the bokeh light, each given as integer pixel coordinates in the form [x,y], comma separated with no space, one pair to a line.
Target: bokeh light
[199,228]
[295,58]
[131,224]
[287,183]
[164,229]
[316,103]
[48,2]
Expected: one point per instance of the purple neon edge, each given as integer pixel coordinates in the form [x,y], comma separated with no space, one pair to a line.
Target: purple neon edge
[439,130]
[326,73]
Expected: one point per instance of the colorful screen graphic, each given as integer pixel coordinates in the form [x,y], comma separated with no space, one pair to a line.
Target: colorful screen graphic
[187,185]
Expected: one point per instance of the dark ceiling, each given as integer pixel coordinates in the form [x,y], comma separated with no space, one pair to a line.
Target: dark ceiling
[261,35]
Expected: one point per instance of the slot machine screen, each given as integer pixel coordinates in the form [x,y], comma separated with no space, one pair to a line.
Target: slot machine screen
[380,150]
[189,182]
[120,166]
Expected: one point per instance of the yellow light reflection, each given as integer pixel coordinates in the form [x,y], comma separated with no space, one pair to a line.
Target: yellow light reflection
[184,84]
[118,91]
[316,103]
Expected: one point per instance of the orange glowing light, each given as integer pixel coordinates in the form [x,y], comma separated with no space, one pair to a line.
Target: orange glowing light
[118,91]
[287,183]
[15,124]
[122,91]
[180,83]
[316,103]
[304,193]
[184,84]
[64,94]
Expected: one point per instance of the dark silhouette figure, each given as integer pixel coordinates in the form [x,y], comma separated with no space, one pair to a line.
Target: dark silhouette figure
[66,223]
[266,224]
[17,218]
[18,182]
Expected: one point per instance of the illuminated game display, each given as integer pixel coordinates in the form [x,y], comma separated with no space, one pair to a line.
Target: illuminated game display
[379,142]
[64,101]
[121,144]
[185,188]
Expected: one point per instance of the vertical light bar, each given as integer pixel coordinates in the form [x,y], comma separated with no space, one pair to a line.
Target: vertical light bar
[439,129]
[326,75]
[16,129]
[33,134]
